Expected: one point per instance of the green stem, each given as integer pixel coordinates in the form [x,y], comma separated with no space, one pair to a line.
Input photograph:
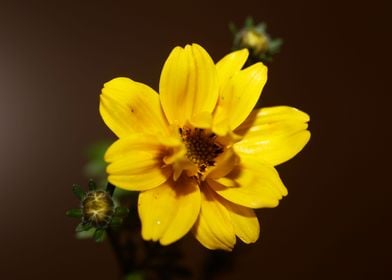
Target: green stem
[114,240]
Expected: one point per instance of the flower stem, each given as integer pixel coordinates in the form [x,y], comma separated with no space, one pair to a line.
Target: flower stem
[115,241]
[110,188]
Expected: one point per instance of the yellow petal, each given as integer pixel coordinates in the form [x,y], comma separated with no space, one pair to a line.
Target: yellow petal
[136,163]
[230,65]
[188,85]
[128,107]
[238,97]
[244,220]
[169,211]
[273,135]
[257,185]
[214,229]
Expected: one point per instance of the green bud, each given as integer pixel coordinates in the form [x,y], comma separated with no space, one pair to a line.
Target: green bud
[97,207]
[255,38]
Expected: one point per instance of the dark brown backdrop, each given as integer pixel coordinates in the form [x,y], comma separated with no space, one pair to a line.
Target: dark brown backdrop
[55,56]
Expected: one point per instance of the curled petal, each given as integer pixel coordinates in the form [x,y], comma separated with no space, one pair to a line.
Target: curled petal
[128,107]
[169,211]
[273,135]
[188,86]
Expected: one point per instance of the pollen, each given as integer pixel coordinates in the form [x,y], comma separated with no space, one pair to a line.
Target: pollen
[202,147]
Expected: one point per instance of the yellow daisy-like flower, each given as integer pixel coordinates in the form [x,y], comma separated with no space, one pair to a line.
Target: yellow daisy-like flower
[200,157]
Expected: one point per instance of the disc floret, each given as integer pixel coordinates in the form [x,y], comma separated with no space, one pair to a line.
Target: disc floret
[201,147]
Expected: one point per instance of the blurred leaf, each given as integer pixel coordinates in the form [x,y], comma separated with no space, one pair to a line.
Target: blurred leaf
[98,149]
[95,168]
[96,165]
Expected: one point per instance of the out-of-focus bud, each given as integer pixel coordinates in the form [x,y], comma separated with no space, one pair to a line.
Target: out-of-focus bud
[97,208]
[255,38]
[97,211]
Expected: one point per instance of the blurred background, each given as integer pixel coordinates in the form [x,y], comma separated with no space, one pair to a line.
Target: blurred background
[335,64]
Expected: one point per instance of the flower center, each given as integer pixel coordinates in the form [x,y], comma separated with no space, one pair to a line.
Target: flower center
[202,148]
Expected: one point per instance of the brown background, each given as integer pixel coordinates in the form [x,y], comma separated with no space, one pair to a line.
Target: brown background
[55,56]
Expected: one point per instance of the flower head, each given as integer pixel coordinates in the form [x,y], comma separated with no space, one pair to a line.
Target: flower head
[200,157]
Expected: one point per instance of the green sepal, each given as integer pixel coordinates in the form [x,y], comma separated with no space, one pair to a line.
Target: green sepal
[99,235]
[261,28]
[274,45]
[74,213]
[249,22]
[83,227]
[88,234]
[91,185]
[121,211]
[77,190]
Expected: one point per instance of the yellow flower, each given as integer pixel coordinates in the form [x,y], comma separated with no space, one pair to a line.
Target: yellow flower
[199,156]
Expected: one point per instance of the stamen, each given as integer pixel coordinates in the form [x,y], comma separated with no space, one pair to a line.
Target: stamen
[202,149]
